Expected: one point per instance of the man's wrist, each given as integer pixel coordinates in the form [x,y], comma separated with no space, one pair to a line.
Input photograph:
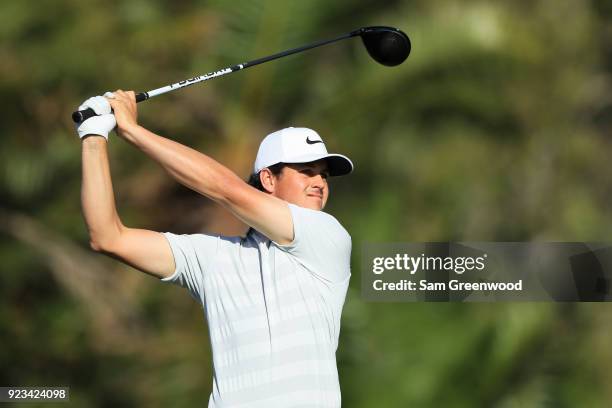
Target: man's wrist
[93,139]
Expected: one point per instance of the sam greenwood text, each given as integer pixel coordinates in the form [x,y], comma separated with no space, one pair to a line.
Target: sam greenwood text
[455,285]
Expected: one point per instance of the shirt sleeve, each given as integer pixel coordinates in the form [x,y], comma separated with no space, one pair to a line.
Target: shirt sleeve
[320,244]
[192,255]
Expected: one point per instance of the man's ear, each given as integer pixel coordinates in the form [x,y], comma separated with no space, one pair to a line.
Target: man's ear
[268,180]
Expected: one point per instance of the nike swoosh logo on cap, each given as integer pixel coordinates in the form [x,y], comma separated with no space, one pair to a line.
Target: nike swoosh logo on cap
[312,141]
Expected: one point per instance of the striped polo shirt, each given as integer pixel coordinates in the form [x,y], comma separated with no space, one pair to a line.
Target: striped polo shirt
[273,311]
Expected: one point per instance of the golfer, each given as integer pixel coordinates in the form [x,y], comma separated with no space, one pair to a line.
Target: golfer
[273,299]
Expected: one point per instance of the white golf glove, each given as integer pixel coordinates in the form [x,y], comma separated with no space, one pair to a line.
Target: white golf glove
[97,125]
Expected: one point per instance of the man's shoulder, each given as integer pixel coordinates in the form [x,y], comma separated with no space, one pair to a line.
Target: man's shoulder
[322,220]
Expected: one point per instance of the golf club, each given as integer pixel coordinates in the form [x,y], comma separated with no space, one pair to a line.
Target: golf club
[386,45]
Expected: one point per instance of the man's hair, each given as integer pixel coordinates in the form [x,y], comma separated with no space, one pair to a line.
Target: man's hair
[256,182]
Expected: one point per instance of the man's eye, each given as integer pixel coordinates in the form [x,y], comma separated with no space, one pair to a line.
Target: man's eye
[312,173]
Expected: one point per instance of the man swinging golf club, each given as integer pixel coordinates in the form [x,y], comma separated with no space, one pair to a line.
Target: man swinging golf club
[273,299]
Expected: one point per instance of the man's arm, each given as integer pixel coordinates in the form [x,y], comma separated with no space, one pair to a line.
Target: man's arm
[147,251]
[267,214]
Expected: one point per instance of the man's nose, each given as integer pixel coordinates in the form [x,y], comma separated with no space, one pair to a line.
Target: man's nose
[318,181]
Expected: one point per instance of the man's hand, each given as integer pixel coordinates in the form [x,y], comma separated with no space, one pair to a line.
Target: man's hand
[99,125]
[126,113]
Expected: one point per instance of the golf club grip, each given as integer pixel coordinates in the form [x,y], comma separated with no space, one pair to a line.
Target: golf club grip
[83,115]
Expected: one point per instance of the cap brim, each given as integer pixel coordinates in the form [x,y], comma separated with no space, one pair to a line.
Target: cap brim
[337,164]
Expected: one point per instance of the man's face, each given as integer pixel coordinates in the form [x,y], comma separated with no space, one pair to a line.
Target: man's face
[304,184]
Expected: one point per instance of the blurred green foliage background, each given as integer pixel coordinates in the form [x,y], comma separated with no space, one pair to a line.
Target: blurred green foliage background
[496,128]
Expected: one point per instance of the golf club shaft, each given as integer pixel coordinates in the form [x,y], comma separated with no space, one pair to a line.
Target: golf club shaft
[80,116]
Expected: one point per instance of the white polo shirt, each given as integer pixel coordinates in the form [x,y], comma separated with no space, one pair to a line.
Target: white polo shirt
[273,310]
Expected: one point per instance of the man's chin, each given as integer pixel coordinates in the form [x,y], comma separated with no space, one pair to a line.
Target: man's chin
[315,203]
[312,203]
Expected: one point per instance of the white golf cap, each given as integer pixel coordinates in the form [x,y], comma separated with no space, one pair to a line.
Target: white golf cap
[298,145]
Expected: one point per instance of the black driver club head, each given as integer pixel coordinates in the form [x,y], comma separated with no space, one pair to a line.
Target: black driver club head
[387,45]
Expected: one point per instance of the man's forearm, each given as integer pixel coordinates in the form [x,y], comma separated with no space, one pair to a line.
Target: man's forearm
[97,198]
[186,165]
